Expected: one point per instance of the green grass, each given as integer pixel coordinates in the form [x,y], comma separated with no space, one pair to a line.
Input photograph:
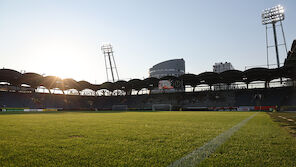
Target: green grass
[286,120]
[261,143]
[138,139]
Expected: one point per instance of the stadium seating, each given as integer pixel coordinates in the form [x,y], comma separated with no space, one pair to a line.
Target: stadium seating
[282,96]
[13,93]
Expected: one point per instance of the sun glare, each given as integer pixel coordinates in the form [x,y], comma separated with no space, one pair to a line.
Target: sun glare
[59,58]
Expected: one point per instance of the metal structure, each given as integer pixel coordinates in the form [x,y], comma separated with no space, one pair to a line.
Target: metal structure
[273,16]
[110,64]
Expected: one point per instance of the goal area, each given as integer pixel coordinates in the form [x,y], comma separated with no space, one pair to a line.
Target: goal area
[161,107]
[119,107]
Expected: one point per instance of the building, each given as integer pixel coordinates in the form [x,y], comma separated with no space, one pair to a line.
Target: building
[221,67]
[174,67]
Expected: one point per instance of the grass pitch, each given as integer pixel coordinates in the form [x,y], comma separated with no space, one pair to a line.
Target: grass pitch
[139,139]
[286,120]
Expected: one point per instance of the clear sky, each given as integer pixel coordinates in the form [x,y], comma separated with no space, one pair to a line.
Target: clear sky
[63,37]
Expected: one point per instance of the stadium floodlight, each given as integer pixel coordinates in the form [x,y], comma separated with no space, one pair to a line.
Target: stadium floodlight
[273,15]
[107,50]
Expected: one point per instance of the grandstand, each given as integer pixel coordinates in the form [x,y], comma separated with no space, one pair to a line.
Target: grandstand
[19,90]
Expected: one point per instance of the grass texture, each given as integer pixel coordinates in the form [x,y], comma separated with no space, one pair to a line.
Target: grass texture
[139,139]
[261,142]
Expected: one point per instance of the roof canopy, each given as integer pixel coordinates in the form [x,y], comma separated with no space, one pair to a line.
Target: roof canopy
[10,76]
[35,80]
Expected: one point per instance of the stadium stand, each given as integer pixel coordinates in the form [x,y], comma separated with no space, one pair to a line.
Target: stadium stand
[18,90]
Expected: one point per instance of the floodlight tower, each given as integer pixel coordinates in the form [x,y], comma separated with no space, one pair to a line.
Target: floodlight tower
[110,64]
[272,16]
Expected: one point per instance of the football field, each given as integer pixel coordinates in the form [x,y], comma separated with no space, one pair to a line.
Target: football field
[143,139]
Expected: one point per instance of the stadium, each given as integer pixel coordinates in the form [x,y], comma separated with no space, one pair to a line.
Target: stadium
[172,118]
[125,95]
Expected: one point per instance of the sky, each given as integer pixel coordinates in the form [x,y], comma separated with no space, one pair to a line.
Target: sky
[63,37]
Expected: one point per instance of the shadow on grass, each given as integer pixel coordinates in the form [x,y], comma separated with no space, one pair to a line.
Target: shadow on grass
[68,111]
[97,112]
[55,112]
[290,126]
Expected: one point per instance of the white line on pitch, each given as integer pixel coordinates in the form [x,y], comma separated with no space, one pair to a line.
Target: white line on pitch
[198,155]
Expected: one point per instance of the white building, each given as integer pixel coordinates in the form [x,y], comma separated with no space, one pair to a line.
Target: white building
[174,67]
[221,67]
